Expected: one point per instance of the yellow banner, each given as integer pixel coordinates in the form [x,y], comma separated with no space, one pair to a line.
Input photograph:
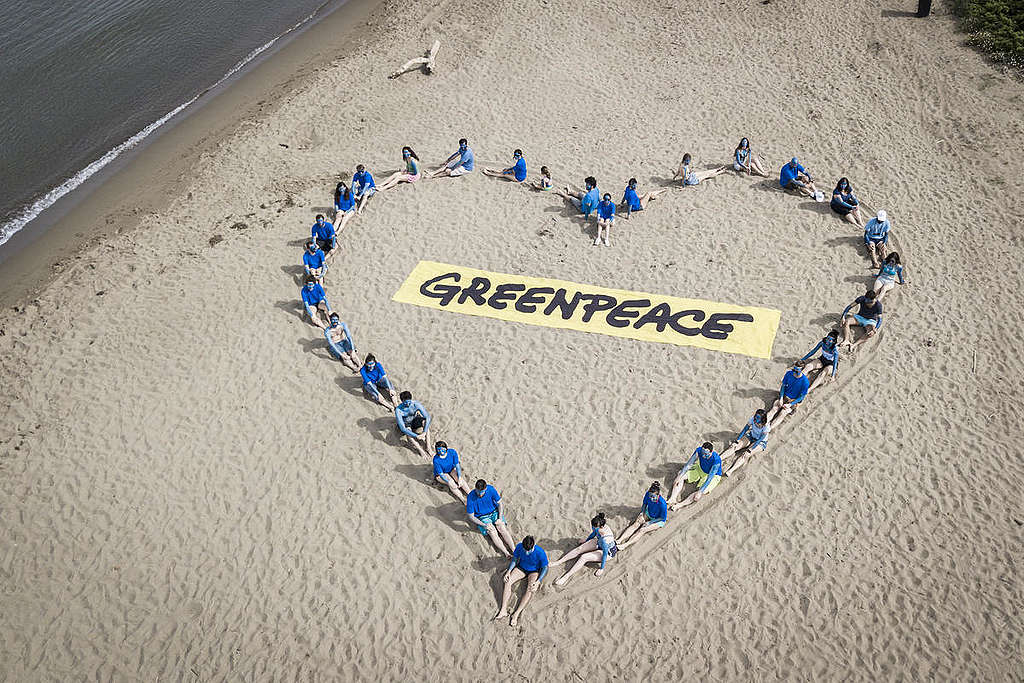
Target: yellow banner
[556,303]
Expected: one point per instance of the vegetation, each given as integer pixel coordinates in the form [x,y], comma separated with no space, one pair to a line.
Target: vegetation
[996,26]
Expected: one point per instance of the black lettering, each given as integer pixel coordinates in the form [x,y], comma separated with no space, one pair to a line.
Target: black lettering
[443,292]
[475,291]
[621,315]
[715,328]
[526,301]
[696,314]
[503,293]
[598,302]
[660,316]
[559,301]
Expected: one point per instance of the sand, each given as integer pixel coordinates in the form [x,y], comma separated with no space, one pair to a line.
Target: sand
[193,490]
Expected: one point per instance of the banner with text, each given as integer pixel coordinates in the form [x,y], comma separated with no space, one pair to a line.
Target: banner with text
[556,303]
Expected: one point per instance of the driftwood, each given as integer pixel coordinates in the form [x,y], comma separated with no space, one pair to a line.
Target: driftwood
[427,62]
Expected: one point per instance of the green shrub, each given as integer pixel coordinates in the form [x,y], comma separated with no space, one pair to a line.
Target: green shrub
[996,26]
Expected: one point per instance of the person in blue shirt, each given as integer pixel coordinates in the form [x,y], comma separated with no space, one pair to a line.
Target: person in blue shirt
[314,261]
[845,203]
[413,420]
[448,470]
[599,546]
[340,343]
[692,177]
[631,201]
[344,205]
[324,235]
[868,316]
[487,512]
[530,562]
[585,201]
[887,274]
[411,173]
[793,391]
[363,187]
[795,178]
[704,468]
[458,164]
[653,516]
[516,172]
[876,237]
[315,301]
[752,439]
[605,219]
[744,161]
[827,364]
[376,382]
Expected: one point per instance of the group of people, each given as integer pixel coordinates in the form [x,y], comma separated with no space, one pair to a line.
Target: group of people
[705,467]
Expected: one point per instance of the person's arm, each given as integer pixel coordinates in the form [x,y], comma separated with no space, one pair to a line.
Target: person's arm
[782,388]
[348,335]
[707,481]
[603,545]
[880,269]
[837,196]
[743,433]
[835,365]
[511,566]
[401,424]
[812,351]
[899,272]
[612,217]
[452,158]
[458,471]
[689,463]
[592,535]
[501,508]
[426,416]
[847,310]
[543,571]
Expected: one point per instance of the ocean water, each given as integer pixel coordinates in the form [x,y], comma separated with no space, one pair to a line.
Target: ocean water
[82,82]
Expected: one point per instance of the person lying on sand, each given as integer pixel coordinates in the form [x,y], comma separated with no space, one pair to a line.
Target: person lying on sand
[459,163]
[704,468]
[868,316]
[324,235]
[793,391]
[315,301]
[340,343]
[314,261]
[795,178]
[363,187]
[587,200]
[691,177]
[597,547]
[543,183]
[448,471]
[631,201]
[752,439]
[411,174]
[344,205]
[605,219]
[745,162]
[887,274]
[653,515]
[827,364]
[487,512]
[845,203]
[876,237]
[376,382]
[530,562]
[516,172]
[413,421]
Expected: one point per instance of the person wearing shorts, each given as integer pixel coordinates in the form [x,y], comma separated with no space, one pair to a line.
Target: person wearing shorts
[487,512]
[585,201]
[692,177]
[743,161]
[827,364]
[605,220]
[530,562]
[315,302]
[448,471]
[363,187]
[703,468]
[752,439]
[340,343]
[653,516]
[633,202]
[516,172]
[868,316]
[876,237]
[844,203]
[887,274]
[411,174]
[413,420]
[793,391]
[344,205]
[324,235]
[599,546]
[315,261]
[795,178]
[460,163]
[376,382]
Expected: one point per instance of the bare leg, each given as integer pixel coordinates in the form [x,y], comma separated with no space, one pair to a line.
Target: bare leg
[630,530]
[492,534]
[786,411]
[756,167]
[391,181]
[707,175]
[847,332]
[362,203]
[677,487]
[577,551]
[447,481]
[774,410]
[344,221]
[882,288]
[653,194]
[417,446]
[531,588]
[592,556]
[505,535]
[740,461]
[735,446]
[645,529]
[824,375]
[514,577]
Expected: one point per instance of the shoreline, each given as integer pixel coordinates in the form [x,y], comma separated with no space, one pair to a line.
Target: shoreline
[146,178]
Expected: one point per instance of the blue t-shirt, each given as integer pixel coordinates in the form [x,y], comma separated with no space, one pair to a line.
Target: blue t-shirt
[788,173]
[311,297]
[466,159]
[795,388]
[606,209]
[484,503]
[345,204]
[590,200]
[876,230]
[447,463]
[313,260]
[533,561]
[362,181]
[323,232]
[631,199]
[372,376]
[520,169]
[656,511]
[710,463]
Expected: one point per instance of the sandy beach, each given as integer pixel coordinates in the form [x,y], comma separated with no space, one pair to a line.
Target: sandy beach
[193,489]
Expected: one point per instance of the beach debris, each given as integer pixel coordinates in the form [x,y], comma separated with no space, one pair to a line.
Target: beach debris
[281,144]
[101,292]
[216,239]
[239,226]
[427,61]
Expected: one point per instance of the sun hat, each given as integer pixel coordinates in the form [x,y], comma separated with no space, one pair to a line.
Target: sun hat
[882,216]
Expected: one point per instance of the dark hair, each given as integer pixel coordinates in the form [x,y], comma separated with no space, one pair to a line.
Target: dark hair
[341,190]
[761,414]
[687,158]
[310,279]
[544,171]
[319,216]
[590,180]
[631,181]
[800,364]
[405,395]
[840,182]
[480,485]
[334,315]
[411,153]
[360,167]
[834,333]
[893,257]
[655,487]
[607,197]
[528,543]
[311,244]
[517,153]
[708,446]
[870,294]
[370,357]
[463,141]
[599,520]
[740,145]
[440,444]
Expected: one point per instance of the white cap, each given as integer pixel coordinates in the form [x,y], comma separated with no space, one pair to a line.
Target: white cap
[882,216]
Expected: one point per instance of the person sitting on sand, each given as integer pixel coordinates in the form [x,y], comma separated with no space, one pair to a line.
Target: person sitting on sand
[876,237]
[703,468]
[459,163]
[363,187]
[795,178]
[653,515]
[793,391]
[634,202]
[516,172]
[827,364]
[410,175]
[314,261]
[544,183]
[597,547]
[743,161]
[587,200]
[324,235]
[413,421]
[340,343]
[868,316]
[487,512]
[530,562]
[605,219]
[752,439]
[691,177]
[887,274]
[344,205]
[315,301]
[448,471]
[845,203]
[376,382]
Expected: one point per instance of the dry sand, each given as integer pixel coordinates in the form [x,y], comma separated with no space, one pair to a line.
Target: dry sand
[192,490]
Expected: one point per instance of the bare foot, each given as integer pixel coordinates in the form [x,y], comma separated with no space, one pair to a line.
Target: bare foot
[514,621]
[500,615]
[561,581]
